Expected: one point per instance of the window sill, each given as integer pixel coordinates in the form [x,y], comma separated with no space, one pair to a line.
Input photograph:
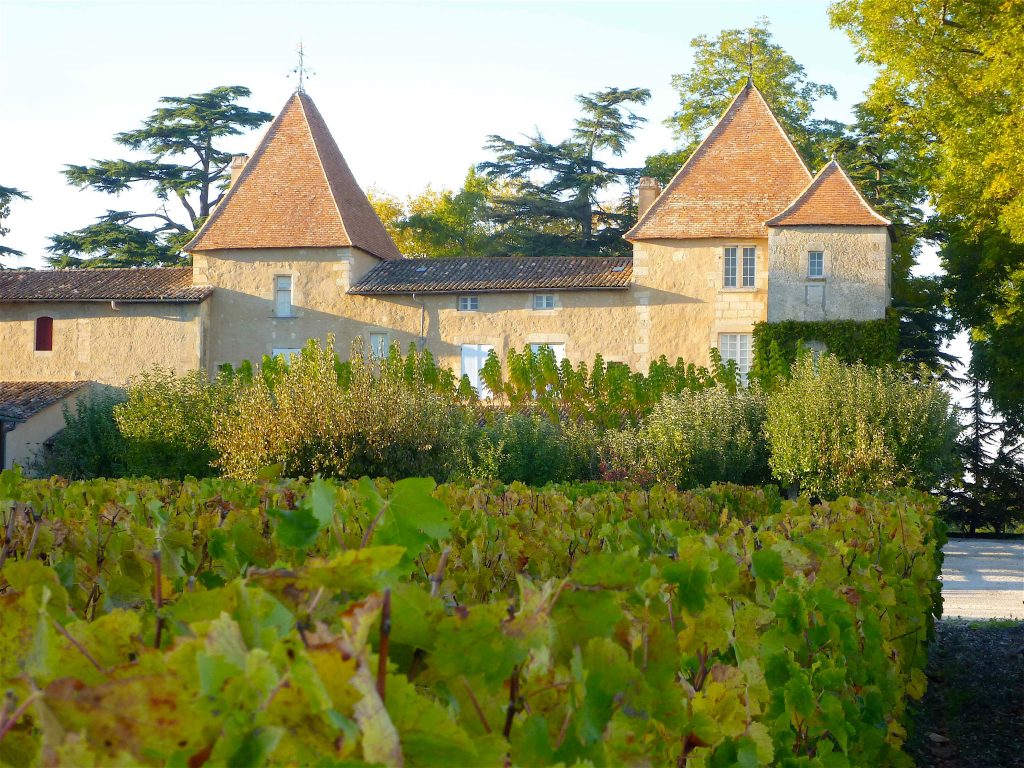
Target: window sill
[810,279]
[738,288]
[283,317]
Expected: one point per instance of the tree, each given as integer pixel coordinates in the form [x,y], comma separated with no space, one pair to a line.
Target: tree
[558,202]
[720,67]
[7,196]
[439,223]
[956,67]
[185,164]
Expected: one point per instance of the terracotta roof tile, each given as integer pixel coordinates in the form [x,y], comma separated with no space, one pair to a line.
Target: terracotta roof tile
[20,400]
[743,173]
[498,273]
[157,284]
[831,198]
[296,192]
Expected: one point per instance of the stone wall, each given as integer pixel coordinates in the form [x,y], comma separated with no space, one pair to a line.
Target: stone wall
[856,282]
[98,342]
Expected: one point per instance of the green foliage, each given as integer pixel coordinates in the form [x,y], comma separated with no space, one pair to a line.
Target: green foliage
[90,444]
[839,429]
[168,423]
[7,195]
[457,625]
[554,205]
[185,163]
[695,438]
[316,415]
[872,342]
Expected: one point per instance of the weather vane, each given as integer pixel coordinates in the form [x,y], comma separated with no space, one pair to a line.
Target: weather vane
[302,71]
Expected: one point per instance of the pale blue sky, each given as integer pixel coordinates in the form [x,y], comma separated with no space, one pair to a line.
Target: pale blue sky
[410,90]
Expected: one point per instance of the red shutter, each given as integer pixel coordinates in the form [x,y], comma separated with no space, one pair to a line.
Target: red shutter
[44,334]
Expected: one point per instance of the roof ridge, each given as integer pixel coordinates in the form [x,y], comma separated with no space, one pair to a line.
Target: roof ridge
[809,191]
[701,148]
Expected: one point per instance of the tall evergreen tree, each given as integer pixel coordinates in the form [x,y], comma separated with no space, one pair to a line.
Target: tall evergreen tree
[565,198]
[7,196]
[185,164]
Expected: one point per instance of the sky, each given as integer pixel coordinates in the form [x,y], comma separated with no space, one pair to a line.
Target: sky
[410,90]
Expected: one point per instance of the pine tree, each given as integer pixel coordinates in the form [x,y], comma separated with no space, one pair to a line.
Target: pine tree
[7,196]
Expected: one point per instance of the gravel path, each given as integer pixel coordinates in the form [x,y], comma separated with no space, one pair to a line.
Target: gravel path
[983,579]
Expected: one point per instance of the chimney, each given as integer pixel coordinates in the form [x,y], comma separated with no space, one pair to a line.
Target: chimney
[238,163]
[648,192]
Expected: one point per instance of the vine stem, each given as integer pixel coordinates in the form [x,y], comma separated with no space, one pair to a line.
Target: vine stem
[158,593]
[513,698]
[476,704]
[16,715]
[35,535]
[8,534]
[438,576]
[81,648]
[373,524]
[382,648]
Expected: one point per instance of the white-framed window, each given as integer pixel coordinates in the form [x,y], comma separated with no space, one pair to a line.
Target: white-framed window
[815,263]
[749,266]
[286,352]
[729,275]
[543,301]
[379,345]
[558,349]
[283,296]
[736,273]
[736,346]
[473,358]
[469,303]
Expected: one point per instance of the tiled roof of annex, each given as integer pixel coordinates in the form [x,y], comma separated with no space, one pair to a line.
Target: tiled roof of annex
[20,400]
[833,199]
[155,284]
[296,192]
[496,273]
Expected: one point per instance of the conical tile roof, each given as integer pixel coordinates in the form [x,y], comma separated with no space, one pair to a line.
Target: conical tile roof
[296,192]
[743,173]
[831,198]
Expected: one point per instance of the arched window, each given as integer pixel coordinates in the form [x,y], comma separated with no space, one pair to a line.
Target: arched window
[44,334]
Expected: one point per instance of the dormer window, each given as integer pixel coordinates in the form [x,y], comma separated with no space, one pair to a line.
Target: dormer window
[44,334]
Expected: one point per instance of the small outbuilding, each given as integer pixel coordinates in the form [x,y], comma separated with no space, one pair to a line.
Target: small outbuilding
[32,412]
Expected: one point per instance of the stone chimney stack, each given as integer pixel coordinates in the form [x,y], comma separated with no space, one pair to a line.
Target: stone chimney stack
[648,192]
[237,164]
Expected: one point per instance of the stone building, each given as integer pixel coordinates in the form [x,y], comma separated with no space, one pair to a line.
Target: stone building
[742,234]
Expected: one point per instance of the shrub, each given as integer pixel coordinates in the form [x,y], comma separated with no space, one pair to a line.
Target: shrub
[167,422]
[316,415]
[696,437]
[532,449]
[90,444]
[839,429]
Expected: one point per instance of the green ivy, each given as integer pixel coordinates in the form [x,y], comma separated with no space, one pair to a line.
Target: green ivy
[872,342]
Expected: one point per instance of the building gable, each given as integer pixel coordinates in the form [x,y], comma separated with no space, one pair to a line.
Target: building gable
[297,191]
[743,173]
[831,198]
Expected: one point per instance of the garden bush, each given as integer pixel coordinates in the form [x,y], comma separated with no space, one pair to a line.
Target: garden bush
[90,445]
[693,438]
[168,421]
[316,415]
[291,623]
[838,429]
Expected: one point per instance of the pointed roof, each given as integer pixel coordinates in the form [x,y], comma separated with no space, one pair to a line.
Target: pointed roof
[743,173]
[296,192]
[831,198]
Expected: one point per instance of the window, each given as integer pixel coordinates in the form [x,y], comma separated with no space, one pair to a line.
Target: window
[379,345]
[736,346]
[749,264]
[286,352]
[473,358]
[815,264]
[558,349]
[469,303]
[44,334]
[730,268]
[733,275]
[283,296]
[543,301]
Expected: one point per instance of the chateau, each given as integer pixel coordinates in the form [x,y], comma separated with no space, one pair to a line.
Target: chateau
[742,234]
